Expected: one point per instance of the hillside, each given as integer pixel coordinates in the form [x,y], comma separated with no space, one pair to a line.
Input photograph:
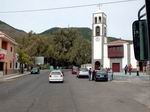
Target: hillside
[85,32]
[17,34]
[11,31]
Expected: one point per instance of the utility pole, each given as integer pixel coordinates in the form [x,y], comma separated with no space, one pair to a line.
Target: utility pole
[147,3]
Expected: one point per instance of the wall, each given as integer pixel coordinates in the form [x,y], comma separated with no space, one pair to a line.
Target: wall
[125,58]
[106,59]
[132,57]
[9,57]
[97,48]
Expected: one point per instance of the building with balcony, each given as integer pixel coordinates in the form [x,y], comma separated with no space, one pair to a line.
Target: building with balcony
[116,54]
[7,54]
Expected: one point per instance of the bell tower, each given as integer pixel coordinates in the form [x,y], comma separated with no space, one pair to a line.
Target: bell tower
[99,38]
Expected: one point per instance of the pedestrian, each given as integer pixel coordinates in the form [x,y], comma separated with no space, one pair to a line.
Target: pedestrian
[137,72]
[130,68]
[93,75]
[90,72]
[125,69]
[112,75]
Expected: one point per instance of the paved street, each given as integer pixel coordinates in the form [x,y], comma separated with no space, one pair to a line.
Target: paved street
[33,93]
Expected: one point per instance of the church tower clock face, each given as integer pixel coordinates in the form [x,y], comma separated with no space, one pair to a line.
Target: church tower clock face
[97,39]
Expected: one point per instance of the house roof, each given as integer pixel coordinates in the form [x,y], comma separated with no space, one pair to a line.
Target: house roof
[118,42]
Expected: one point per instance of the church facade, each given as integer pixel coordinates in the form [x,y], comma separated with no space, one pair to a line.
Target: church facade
[116,54]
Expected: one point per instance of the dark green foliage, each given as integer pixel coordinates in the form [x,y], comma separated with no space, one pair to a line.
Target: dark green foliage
[85,32]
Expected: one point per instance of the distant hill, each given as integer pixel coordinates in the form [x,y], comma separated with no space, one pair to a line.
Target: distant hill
[11,31]
[17,34]
[85,32]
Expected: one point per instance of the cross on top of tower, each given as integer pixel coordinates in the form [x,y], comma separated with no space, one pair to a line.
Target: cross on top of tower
[99,8]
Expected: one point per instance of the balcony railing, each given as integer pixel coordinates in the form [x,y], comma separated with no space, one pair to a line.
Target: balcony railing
[3,51]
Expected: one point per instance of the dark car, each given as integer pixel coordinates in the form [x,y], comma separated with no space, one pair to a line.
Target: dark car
[35,70]
[75,70]
[101,75]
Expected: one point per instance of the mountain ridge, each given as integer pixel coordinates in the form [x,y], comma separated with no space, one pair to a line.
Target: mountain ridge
[11,31]
[17,33]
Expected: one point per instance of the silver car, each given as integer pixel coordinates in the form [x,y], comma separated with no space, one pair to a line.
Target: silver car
[56,76]
[83,72]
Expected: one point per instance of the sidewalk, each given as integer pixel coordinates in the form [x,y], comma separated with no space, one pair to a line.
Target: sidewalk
[12,76]
[133,77]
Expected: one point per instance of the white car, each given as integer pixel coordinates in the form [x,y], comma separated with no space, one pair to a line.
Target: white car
[56,76]
[83,72]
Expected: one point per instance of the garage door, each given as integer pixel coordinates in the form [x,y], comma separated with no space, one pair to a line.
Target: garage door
[116,67]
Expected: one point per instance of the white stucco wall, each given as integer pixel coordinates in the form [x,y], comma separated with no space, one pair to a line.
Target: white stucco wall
[125,58]
[106,59]
[97,48]
[97,14]
[132,57]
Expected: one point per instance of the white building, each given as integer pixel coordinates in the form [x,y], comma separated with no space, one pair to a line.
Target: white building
[99,38]
[115,54]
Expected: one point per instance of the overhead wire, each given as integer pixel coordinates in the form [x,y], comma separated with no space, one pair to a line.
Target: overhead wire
[69,7]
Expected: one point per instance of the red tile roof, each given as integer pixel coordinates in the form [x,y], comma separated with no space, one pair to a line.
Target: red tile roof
[117,42]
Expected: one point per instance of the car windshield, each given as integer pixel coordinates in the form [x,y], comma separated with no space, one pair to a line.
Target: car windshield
[55,73]
[101,72]
[83,69]
[34,68]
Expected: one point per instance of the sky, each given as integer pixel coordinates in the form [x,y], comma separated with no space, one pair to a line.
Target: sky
[120,16]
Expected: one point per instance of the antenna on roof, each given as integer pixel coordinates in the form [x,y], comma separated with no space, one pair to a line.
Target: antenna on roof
[99,6]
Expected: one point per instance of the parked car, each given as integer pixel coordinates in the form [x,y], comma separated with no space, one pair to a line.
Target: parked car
[101,75]
[56,76]
[35,70]
[75,70]
[83,72]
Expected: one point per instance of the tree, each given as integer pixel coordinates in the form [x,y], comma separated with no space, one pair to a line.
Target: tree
[69,46]
[23,59]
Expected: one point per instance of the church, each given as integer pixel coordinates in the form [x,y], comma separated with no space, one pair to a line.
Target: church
[115,54]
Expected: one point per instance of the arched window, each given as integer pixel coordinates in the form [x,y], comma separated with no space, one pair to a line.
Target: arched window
[100,19]
[95,20]
[97,31]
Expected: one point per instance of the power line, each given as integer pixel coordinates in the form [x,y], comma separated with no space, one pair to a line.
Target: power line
[59,8]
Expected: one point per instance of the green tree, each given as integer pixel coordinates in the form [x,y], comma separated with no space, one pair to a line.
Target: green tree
[24,58]
[70,46]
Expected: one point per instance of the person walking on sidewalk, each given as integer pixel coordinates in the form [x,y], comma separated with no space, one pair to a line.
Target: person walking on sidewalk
[130,69]
[90,72]
[125,69]
[137,72]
